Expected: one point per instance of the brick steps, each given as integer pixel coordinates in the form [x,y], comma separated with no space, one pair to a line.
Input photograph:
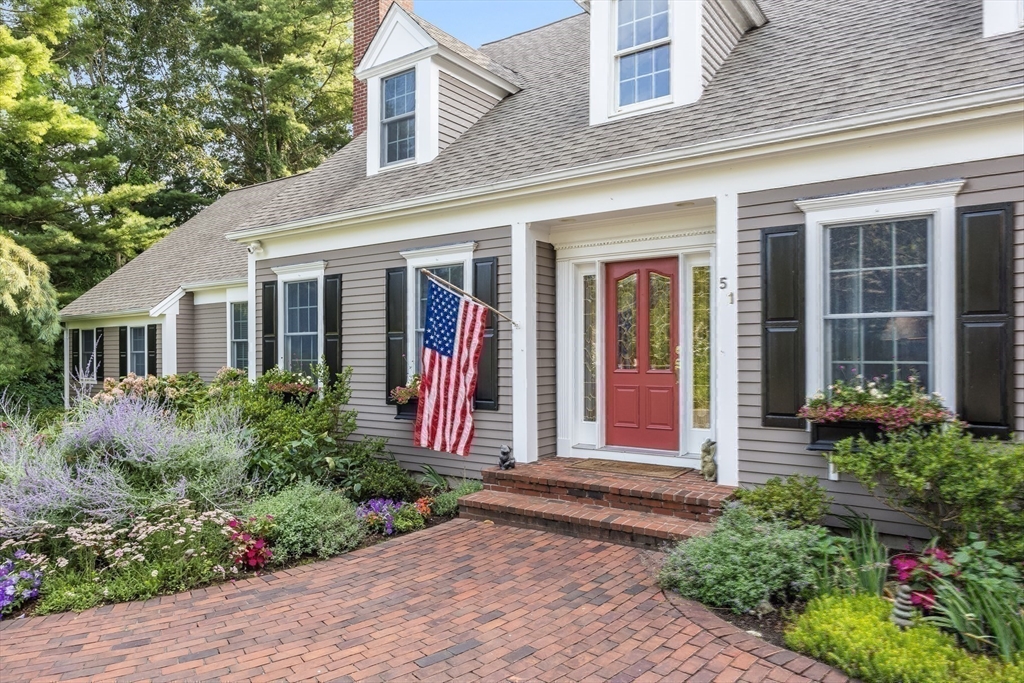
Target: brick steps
[576,518]
[687,497]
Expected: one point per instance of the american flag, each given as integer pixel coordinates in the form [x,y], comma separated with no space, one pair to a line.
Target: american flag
[452,339]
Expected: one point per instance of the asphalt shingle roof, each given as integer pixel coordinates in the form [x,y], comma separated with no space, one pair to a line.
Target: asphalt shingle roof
[194,252]
[815,60]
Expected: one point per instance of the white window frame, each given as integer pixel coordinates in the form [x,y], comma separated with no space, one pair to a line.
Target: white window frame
[382,122]
[936,201]
[132,350]
[618,54]
[415,259]
[693,436]
[231,332]
[686,79]
[83,359]
[1002,16]
[300,272]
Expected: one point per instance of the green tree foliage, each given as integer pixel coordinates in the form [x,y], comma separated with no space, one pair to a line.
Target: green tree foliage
[60,195]
[28,311]
[284,96]
[136,67]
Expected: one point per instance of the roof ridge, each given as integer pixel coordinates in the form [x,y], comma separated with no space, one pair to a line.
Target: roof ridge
[531,30]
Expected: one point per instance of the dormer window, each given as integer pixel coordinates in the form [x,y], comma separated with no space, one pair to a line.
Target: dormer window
[398,120]
[644,64]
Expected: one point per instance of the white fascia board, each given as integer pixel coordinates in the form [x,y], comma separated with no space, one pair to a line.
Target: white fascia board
[213,284]
[90,317]
[167,303]
[958,109]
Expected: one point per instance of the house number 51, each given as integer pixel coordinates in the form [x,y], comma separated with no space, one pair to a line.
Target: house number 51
[723,283]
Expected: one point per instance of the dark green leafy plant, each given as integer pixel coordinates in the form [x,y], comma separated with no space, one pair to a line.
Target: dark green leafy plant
[946,481]
[865,558]
[447,504]
[309,520]
[744,562]
[798,500]
[853,633]
[386,479]
[435,482]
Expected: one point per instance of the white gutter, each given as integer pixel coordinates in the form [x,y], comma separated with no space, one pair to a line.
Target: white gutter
[112,314]
[1012,97]
[214,284]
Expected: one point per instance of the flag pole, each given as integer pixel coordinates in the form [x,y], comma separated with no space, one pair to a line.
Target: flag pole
[444,283]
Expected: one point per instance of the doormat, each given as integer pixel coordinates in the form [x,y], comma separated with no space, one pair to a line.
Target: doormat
[634,468]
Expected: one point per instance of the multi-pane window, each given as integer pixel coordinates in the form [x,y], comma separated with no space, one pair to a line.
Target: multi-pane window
[137,351]
[302,326]
[589,348]
[453,274]
[643,50]
[87,357]
[240,335]
[398,118]
[700,307]
[878,317]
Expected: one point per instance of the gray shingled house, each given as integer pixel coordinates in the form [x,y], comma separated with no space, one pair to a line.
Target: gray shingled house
[698,213]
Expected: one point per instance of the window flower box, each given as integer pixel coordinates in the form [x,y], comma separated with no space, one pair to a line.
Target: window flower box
[855,409]
[824,435]
[407,411]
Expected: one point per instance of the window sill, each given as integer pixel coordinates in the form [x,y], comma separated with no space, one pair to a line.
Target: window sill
[641,108]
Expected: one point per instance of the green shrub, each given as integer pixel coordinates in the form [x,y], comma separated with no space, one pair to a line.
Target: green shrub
[947,481]
[797,501]
[309,520]
[853,633]
[865,558]
[744,562]
[297,425]
[447,504]
[386,479]
[408,519]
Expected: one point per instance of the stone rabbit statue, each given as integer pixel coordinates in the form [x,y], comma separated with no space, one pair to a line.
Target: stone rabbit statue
[708,464]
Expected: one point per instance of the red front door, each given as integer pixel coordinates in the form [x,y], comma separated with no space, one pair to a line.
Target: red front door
[641,393]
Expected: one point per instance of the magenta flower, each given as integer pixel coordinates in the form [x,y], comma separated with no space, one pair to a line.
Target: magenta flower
[904,567]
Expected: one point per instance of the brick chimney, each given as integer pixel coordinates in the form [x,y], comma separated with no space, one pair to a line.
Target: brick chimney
[366,18]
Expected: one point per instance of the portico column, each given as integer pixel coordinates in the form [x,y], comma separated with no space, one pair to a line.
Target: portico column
[726,339]
[524,343]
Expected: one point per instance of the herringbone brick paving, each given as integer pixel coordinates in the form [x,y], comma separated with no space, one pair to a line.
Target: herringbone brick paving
[463,601]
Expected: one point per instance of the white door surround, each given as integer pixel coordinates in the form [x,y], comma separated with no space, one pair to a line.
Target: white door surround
[688,236]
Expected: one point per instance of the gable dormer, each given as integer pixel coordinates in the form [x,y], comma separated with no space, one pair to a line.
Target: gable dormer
[424,89]
[648,55]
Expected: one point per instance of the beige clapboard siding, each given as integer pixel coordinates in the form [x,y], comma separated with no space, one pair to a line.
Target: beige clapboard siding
[186,330]
[362,346]
[460,105]
[547,351]
[766,452]
[210,342]
[720,37]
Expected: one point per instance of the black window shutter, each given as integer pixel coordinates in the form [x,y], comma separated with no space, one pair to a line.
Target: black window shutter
[151,349]
[269,325]
[76,355]
[985,318]
[98,342]
[395,316]
[332,324]
[485,288]
[122,351]
[782,317]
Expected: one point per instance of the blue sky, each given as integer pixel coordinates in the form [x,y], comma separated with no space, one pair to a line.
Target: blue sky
[481,21]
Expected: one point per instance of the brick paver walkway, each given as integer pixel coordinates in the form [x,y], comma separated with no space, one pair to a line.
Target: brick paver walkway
[463,601]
